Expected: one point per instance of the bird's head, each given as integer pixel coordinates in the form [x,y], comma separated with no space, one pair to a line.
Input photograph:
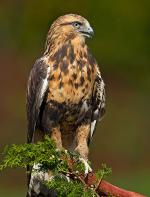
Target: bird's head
[71,26]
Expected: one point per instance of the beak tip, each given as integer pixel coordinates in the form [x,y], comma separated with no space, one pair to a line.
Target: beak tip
[91,31]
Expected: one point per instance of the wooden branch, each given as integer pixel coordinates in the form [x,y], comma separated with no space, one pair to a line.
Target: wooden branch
[107,189]
[102,188]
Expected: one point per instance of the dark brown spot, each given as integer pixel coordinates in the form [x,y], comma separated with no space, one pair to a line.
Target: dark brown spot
[60,54]
[64,67]
[71,36]
[59,77]
[88,73]
[61,84]
[55,66]
[83,90]
[93,69]
[80,54]
[85,55]
[71,54]
[76,85]
[79,64]
[51,77]
[83,62]
[87,85]
[70,82]
[66,23]
[82,80]
[63,51]
[74,76]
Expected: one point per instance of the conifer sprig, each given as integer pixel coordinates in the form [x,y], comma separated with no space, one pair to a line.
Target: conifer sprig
[61,162]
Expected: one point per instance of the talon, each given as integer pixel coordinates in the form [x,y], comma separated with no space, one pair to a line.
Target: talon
[66,151]
[87,166]
[67,177]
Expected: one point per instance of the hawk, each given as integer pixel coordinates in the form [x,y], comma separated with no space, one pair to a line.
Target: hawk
[65,92]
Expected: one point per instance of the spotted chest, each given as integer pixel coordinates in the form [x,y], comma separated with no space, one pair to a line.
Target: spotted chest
[72,75]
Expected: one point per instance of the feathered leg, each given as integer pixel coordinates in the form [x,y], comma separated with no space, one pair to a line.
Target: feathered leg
[56,136]
[82,135]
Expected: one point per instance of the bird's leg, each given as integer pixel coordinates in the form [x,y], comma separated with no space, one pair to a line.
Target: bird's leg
[56,136]
[82,135]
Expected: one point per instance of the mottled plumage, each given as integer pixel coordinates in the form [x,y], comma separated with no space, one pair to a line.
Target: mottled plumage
[65,95]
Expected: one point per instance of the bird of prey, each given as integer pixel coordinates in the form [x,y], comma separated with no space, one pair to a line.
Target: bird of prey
[65,92]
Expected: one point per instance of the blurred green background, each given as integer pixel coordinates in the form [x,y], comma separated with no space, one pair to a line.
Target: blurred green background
[122,47]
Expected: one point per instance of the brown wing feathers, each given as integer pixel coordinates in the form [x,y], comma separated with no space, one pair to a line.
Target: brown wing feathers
[37,87]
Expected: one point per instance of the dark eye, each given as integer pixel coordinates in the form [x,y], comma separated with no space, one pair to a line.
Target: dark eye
[77,24]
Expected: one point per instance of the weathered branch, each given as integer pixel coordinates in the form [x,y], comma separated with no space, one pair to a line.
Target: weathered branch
[107,189]
[102,187]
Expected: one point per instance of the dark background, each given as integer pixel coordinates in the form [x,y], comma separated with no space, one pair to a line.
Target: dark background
[122,47]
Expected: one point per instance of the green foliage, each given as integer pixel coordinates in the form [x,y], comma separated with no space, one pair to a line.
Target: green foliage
[28,154]
[70,188]
[103,172]
[59,162]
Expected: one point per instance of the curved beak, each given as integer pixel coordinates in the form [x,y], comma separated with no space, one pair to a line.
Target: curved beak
[90,31]
[87,31]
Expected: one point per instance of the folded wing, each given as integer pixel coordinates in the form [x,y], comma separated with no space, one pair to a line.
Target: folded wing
[36,92]
[98,102]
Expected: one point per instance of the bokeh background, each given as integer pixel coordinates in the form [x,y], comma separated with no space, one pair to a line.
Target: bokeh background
[122,47]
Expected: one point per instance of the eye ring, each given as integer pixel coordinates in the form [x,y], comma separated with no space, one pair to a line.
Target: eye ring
[77,25]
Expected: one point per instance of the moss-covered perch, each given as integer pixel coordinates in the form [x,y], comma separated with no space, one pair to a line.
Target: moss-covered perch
[71,180]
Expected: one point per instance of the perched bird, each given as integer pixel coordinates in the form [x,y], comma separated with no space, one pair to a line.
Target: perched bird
[65,93]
